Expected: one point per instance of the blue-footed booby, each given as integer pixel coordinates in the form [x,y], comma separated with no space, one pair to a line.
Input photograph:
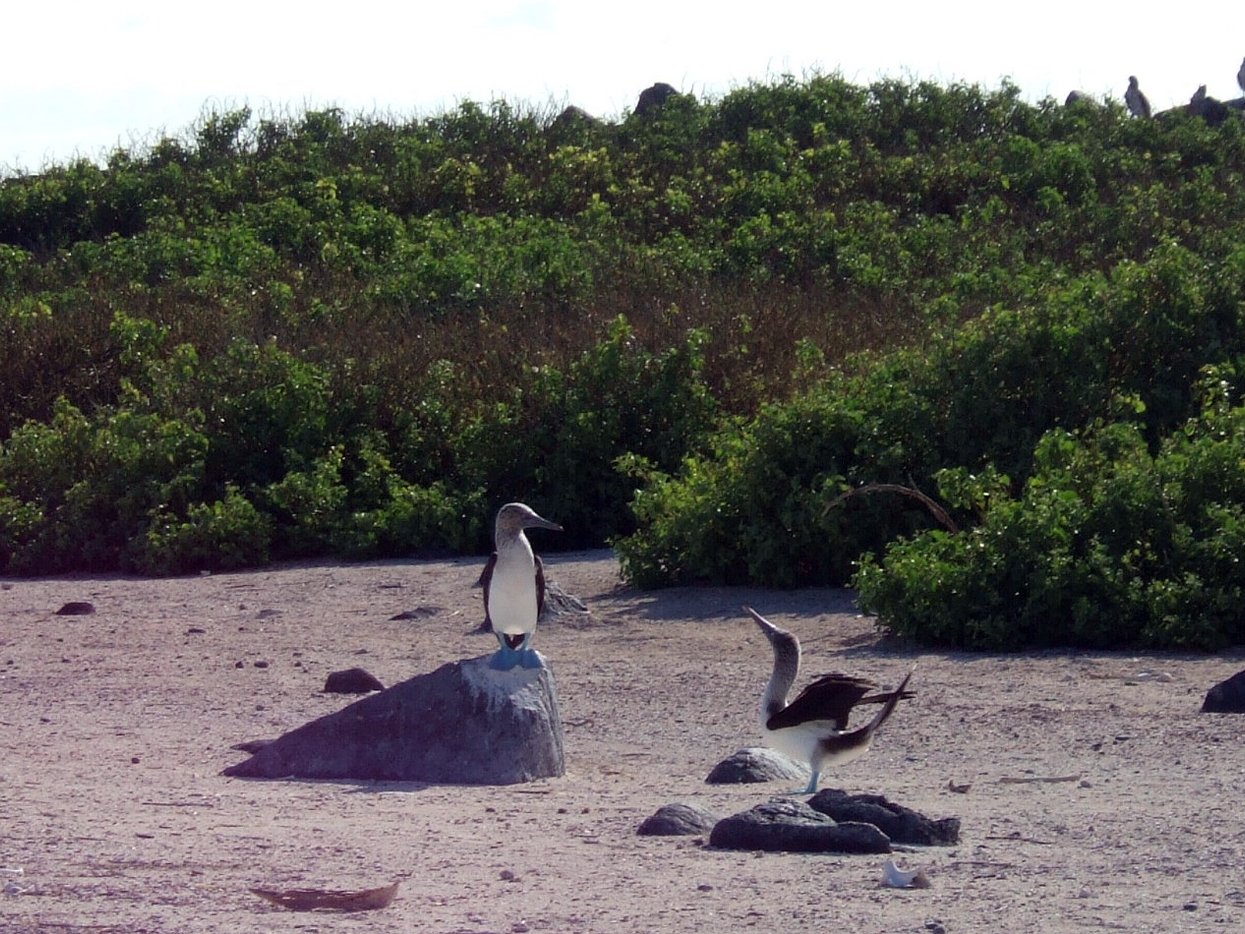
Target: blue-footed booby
[514,586]
[813,728]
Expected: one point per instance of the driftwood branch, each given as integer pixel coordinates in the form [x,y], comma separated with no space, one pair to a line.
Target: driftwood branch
[1038,779]
[940,515]
[330,899]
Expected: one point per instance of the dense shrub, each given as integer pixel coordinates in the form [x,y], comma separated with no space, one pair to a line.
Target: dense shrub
[980,395]
[79,490]
[691,331]
[757,507]
[1106,545]
[556,439]
[254,453]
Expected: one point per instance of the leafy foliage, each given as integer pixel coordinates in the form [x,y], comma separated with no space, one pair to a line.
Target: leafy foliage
[1106,545]
[687,332]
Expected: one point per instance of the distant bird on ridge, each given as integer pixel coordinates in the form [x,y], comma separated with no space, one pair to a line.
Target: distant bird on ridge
[1137,103]
[1240,76]
[514,586]
[813,728]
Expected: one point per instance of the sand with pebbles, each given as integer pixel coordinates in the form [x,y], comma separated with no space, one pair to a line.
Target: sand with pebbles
[1092,793]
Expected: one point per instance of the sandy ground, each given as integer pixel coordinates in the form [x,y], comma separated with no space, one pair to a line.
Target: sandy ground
[114,728]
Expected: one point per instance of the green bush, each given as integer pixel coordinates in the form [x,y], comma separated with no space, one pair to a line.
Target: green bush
[81,489]
[757,508]
[556,441]
[224,535]
[1107,545]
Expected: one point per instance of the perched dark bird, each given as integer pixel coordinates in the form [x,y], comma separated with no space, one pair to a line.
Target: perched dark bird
[1240,76]
[514,586]
[1138,106]
[1212,111]
[813,728]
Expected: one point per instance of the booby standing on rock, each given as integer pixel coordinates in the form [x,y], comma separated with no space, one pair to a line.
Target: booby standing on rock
[1137,103]
[813,727]
[514,586]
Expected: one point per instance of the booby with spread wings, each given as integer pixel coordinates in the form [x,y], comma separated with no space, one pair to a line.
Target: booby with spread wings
[813,728]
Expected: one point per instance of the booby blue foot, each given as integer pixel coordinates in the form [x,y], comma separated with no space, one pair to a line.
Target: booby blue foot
[505,658]
[526,657]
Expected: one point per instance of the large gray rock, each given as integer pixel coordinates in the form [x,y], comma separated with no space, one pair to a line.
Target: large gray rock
[76,608]
[461,724]
[572,118]
[901,824]
[755,764]
[794,827]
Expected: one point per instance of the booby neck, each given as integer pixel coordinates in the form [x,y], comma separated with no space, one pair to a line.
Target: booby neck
[786,666]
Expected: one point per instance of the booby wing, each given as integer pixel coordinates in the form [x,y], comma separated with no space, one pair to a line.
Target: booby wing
[857,740]
[486,579]
[830,699]
[540,585]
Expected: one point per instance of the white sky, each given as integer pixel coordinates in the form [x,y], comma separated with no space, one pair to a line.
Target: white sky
[82,78]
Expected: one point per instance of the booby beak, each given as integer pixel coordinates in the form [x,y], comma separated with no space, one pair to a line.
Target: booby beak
[536,522]
[771,631]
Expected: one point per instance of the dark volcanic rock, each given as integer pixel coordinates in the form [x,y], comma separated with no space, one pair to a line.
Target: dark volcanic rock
[1214,112]
[653,97]
[573,116]
[76,608]
[794,827]
[1226,696]
[462,724]
[901,824]
[677,820]
[1081,97]
[352,681]
[755,764]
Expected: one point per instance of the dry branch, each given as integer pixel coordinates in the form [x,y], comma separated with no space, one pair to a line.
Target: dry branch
[329,899]
[941,515]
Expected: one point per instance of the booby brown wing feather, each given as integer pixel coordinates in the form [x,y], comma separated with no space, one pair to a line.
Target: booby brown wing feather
[830,698]
[486,580]
[540,585]
[861,737]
